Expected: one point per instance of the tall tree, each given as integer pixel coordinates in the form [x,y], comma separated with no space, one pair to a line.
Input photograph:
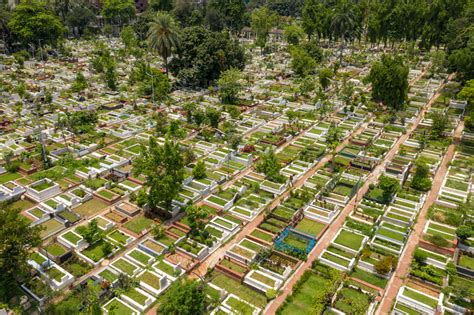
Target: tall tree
[229,13]
[17,237]
[33,24]
[163,36]
[343,23]
[313,16]
[184,297]
[163,167]
[262,21]
[389,78]
[229,85]
[118,11]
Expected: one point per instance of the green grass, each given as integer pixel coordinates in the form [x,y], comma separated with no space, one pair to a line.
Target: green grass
[136,296]
[239,306]
[262,235]
[124,266]
[166,268]
[349,239]
[55,249]
[251,245]
[303,299]
[139,256]
[108,275]
[51,226]
[22,204]
[107,194]
[466,261]
[347,297]
[370,278]
[420,297]
[264,279]
[119,237]
[72,237]
[54,273]
[91,207]
[9,177]
[310,226]
[119,308]
[150,279]
[77,267]
[138,224]
[95,252]
[43,186]
[240,290]
[233,266]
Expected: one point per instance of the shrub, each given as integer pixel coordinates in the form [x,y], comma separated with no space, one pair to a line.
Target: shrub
[384,265]
[438,240]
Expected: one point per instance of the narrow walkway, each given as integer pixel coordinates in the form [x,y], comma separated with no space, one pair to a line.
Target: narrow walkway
[405,259]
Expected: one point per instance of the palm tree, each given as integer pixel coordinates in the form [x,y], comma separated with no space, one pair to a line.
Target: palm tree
[344,23]
[163,36]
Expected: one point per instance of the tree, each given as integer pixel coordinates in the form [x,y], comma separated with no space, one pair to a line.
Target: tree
[31,23]
[440,123]
[313,15]
[184,297]
[161,5]
[79,18]
[17,238]
[128,36]
[467,93]
[384,265]
[163,36]
[343,23]
[228,13]
[313,49]
[118,11]
[213,116]
[464,232]
[293,34]
[325,76]
[163,168]
[80,83]
[111,78]
[270,166]
[389,78]
[420,256]
[91,232]
[438,61]
[199,170]
[390,186]
[301,62]
[196,218]
[229,85]
[421,180]
[262,21]
[203,55]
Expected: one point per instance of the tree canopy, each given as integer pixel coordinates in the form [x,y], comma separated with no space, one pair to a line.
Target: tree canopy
[184,297]
[203,55]
[34,24]
[389,78]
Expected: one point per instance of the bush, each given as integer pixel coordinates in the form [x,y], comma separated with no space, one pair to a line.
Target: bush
[420,256]
[384,265]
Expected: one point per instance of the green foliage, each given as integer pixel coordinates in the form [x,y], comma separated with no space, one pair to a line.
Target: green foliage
[420,256]
[293,34]
[196,218]
[79,84]
[199,170]
[389,78]
[313,49]
[464,232]
[421,180]
[325,76]
[118,11]
[163,167]
[81,121]
[184,297]
[385,265]
[111,78]
[438,240]
[163,35]
[80,17]
[128,36]
[270,166]
[313,17]
[17,237]
[262,21]
[203,55]
[228,14]
[91,232]
[440,123]
[389,185]
[31,23]
[229,85]
[301,61]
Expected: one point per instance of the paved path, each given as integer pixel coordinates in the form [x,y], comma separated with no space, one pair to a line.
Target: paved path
[334,227]
[405,259]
